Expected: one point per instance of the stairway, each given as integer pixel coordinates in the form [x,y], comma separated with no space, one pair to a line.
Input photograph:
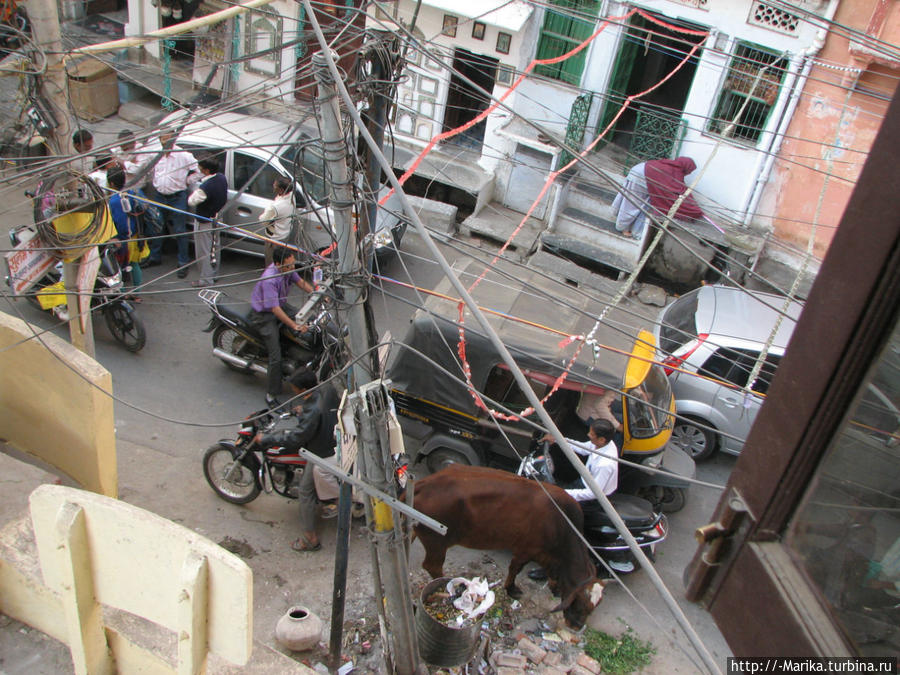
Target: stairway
[585,226]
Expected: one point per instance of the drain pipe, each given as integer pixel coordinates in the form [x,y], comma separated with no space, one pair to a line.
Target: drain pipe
[798,83]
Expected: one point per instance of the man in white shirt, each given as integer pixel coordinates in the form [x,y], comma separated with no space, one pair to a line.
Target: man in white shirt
[602,463]
[83,142]
[174,173]
[604,468]
[135,158]
[277,216]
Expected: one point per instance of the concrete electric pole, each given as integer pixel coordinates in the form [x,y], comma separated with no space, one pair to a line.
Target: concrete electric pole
[369,402]
[45,22]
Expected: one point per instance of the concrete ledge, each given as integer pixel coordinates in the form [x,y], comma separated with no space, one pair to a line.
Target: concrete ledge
[568,272]
[78,437]
[498,223]
[434,214]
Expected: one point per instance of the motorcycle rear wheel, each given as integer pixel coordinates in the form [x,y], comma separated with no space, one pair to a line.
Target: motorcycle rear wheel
[229,340]
[235,484]
[125,326]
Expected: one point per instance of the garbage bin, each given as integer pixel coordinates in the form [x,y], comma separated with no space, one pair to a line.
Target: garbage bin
[93,89]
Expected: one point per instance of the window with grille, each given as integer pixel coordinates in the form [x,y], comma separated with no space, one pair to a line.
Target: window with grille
[567,23]
[749,93]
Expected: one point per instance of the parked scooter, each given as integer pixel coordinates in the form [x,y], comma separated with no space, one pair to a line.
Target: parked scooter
[648,526]
[238,344]
[239,470]
[108,296]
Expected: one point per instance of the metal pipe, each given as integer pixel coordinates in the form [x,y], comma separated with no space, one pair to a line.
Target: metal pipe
[238,361]
[177,29]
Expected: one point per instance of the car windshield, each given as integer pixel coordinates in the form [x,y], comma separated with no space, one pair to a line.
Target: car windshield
[306,162]
[678,324]
[646,403]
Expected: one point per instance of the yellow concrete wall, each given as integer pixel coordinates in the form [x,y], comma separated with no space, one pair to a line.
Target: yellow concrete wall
[143,564]
[54,406]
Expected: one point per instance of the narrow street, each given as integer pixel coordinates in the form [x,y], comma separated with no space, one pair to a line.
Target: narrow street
[174,399]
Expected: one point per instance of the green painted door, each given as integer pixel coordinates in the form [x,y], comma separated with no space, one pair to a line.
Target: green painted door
[615,93]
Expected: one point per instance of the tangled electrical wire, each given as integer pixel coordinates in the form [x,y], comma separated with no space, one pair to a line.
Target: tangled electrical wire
[77,195]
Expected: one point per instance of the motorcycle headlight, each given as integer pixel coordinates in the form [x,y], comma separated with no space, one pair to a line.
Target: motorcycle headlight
[113,280]
[384,238]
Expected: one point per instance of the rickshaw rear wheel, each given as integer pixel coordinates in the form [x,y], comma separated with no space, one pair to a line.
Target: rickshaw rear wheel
[442,457]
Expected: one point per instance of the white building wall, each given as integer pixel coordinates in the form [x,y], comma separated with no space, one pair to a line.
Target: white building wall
[143,18]
[728,24]
[427,79]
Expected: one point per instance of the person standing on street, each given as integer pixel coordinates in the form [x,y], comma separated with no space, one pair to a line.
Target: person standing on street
[173,174]
[126,208]
[277,215]
[316,419]
[207,200]
[135,158]
[83,142]
[270,310]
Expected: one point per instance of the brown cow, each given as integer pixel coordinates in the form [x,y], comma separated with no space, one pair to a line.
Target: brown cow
[489,509]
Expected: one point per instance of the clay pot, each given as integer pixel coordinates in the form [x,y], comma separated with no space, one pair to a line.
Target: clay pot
[299,629]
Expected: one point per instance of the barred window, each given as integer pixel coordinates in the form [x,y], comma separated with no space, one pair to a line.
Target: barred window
[752,68]
[565,27]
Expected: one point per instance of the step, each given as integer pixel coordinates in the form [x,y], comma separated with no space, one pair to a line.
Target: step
[498,223]
[592,251]
[592,188]
[151,78]
[601,219]
[571,273]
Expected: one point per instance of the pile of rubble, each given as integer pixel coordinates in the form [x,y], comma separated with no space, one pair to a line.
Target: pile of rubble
[532,649]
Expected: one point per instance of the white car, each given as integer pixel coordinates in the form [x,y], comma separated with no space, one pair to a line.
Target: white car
[719,332]
[252,152]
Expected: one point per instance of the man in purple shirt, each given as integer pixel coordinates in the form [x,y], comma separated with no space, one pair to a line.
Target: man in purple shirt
[270,310]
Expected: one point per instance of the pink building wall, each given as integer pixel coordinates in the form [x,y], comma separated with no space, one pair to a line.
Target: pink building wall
[832,129]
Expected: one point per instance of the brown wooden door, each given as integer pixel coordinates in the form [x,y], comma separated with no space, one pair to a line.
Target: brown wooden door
[802,559]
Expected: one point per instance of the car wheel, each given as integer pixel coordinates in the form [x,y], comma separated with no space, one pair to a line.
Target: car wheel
[443,457]
[695,440]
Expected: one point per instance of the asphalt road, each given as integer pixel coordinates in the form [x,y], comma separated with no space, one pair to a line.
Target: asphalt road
[174,399]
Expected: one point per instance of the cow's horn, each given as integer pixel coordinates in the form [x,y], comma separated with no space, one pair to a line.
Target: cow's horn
[597,593]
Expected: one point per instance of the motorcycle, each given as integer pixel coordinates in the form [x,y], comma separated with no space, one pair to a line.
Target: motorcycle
[648,526]
[238,344]
[239,470]
[108,295]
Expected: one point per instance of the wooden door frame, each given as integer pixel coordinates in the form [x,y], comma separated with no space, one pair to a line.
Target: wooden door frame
[851,311]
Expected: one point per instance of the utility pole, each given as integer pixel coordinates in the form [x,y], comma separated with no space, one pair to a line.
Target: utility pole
[381,57]
[370,406]
[45,22]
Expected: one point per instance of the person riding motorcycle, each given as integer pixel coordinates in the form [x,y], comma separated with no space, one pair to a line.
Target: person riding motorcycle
[316,419]
[603,466]
[269,303]
[602,454]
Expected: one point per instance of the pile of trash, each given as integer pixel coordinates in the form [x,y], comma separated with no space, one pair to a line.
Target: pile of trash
[462,603]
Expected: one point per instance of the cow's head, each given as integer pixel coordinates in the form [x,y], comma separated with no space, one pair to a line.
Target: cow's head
[577,606]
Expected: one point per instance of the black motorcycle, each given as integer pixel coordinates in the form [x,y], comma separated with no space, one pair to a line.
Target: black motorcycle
[238,344]
[108,295]
[647,526]
[239,470]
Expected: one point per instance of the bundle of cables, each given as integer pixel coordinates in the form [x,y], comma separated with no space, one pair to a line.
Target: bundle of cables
[70,212]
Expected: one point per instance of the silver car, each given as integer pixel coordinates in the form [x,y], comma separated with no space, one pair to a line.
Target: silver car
[252,152]
[719,333]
